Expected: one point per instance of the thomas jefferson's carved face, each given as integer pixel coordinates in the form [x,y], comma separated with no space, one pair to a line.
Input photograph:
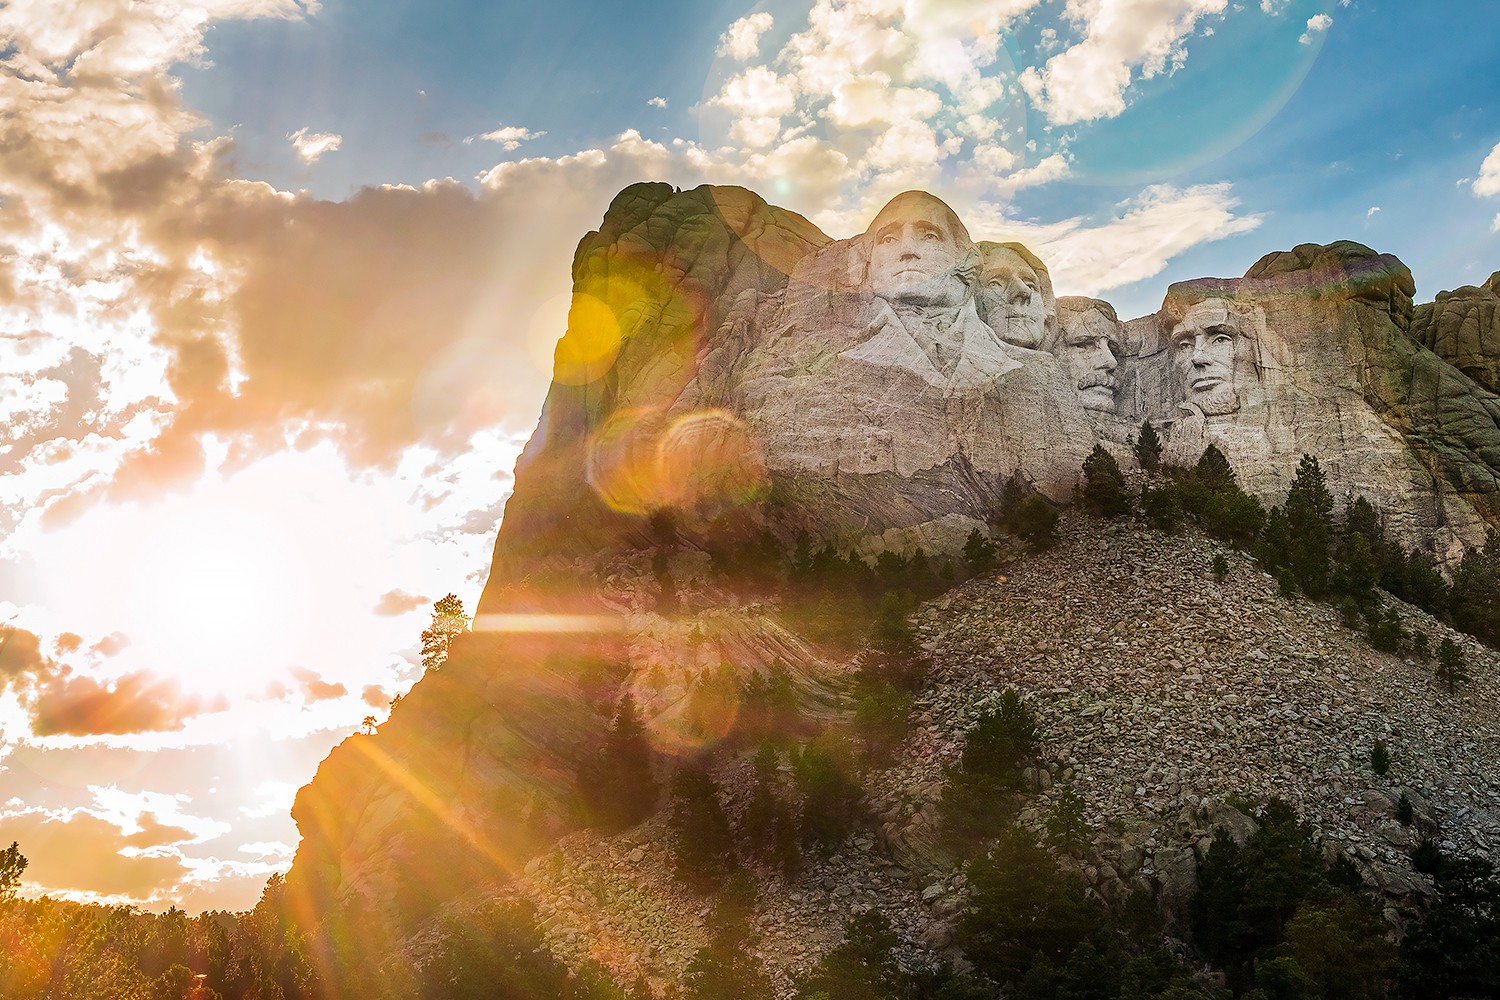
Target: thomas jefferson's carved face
[1207,348]
[1010,298]
[1091,347]
[915,253]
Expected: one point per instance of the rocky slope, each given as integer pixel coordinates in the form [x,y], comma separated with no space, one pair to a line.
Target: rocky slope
[730,374]
[1166,699]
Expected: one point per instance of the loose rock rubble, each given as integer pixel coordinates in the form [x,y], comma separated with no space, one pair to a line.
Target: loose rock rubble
[1168,701]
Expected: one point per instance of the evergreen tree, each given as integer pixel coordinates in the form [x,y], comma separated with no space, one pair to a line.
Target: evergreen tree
[1104,484]
[1148,447]
[1475,596]
[617,785]
[703,848]
[1213,469]
[1309,513]
[448,622]
[1452,666]
[12,864]
[1380,758]
[1036,521]
[979,551]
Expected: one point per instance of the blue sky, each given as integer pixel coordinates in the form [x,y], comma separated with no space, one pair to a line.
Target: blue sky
[280,282]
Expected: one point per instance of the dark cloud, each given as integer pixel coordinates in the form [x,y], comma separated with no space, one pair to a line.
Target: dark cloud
[75,704]
[399,602]
[315,688]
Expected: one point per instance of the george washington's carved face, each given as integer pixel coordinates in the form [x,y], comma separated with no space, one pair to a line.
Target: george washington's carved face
[1210,347]
[917,245]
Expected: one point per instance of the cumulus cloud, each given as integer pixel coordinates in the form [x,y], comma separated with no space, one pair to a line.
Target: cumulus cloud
[1371,211]
[399,602]
[1316,25]
[1487,184]
[657,102]
[312,146]
[315,688]
[509,137]
[1122,40]
[742,40]
[70,703]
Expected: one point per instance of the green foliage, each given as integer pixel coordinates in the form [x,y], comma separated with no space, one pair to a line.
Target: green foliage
[881,718]
[894,657]
[1022,909]
[1385,631]
[725,966]
[1213,470]
[1421,644]
[1455,950]
[824,771]
[1232,515]
[1162,506]
[981,793]
[617,785]
[448,622]
[1220,566]
[1067,828]
[1475,596]
[770,824]
[979,551]
[1309,514]
[1275,916]
[1148,447]
[862,966]
[1036,521]
[1103,489]
[1380,758]
[497,950]
[1452,666]
[768,705]
[702,847]
[1404,811]
[12,864]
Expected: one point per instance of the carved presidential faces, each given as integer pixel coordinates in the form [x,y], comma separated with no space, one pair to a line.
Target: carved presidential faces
[917,247]
[1014,294]
[1090,345]
[1209,349]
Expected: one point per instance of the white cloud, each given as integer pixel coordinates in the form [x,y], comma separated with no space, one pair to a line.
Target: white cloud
[1372,210]
[1121,38]
[742,40]
[1274,6]
[1495,226]
[1316,25]
[509,137]
[658,102]
[311,146]
[1487,183]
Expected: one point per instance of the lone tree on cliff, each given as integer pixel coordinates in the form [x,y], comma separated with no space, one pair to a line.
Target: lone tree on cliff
[1453,667]
[1148,447]
[448,621]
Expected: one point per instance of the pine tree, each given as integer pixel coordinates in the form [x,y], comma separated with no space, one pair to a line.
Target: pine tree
[1104,484]
[1309,514]
[1453,667]
[618,786]
[980,551]
[448,622]
[703,848]
[12,864]
[1213,469]
[1148,447]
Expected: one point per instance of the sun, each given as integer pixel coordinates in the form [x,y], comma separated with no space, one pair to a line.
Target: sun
[217,595]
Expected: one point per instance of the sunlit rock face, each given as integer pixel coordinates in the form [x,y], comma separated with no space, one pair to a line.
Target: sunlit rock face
[728,371]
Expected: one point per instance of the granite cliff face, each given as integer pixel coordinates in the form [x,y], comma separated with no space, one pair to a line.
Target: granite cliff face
[727,362]
[730,373]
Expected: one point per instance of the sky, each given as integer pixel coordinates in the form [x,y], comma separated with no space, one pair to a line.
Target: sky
[280,282]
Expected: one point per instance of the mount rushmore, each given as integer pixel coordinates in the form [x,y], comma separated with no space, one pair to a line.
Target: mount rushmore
[728,361]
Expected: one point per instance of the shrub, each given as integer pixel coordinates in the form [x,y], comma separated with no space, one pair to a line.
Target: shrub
[979,551]
[1380,758]
[702,847]
[1452,666]
[1036,521]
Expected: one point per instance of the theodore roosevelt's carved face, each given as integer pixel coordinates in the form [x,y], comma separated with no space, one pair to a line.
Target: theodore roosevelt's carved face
[917,243]
[1091,347]
[1209,348]
[1010,297]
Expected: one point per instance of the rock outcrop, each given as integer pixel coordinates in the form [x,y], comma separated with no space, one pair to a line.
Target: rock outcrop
[731,375]
[728,363]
